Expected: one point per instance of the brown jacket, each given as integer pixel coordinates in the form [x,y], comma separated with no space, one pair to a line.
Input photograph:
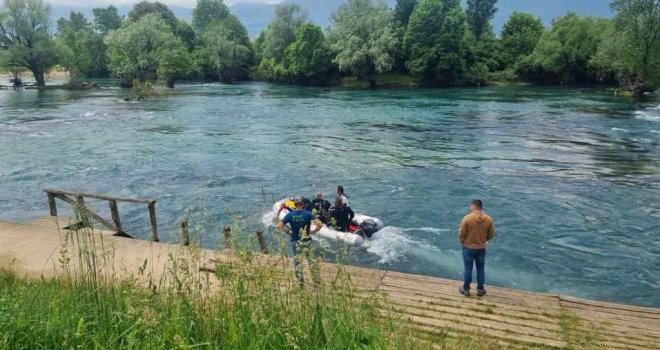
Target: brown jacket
[476,230]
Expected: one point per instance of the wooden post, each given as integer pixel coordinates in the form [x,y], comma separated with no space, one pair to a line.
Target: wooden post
[114,211]
[185,233]
[152,218]
[52,204]
[227,232]
[262,242]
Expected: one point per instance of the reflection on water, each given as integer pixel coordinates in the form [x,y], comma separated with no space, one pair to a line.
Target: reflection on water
[571,176]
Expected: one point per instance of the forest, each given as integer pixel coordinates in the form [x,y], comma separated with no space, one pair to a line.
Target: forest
[437,43]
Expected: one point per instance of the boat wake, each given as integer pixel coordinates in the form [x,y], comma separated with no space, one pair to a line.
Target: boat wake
[391,244]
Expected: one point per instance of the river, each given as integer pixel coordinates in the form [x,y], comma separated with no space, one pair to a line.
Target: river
[570,175]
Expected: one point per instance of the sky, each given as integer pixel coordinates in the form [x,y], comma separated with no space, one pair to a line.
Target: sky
[180,3]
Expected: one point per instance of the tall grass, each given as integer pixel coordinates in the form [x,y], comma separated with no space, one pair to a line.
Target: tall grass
[252,303]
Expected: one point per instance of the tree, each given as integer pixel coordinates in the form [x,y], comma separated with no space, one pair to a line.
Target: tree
[308,59]
[563,53]
[225,51]
[479,13]
[180,28]
[632,49]
[147,50]
[208,11]
[107,19]
[24,33]
[74,43]
[403,10]
[435,41]
[520,35]
[281,31]
[361,34]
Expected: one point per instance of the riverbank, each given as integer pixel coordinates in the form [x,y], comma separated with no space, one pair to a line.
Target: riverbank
[437,315]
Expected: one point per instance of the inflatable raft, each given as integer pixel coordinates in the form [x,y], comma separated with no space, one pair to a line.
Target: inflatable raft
[282,207]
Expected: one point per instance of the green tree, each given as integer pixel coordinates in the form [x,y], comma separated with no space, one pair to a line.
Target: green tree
[208,11]
[631,51]
[225,51]
[520,35]
[308,59]
[403,10]
[147,50]
[563,53]
[275,39]
[435,41]
[362,35]
[180,28]
[25,35]
[107,19]
[74,43]
[479,13]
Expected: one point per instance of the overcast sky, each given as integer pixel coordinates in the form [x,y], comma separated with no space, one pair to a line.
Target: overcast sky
[182,3]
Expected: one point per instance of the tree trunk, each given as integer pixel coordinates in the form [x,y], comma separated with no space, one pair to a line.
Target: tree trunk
[371,78]
[39,77]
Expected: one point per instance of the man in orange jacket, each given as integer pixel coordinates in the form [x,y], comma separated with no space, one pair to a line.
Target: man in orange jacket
[476,230]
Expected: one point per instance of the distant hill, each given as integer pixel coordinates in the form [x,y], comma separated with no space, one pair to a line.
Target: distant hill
[256,16]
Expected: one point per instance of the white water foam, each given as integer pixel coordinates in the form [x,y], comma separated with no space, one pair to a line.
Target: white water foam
[619,129]
[268,219]
[391,244]
[650,114]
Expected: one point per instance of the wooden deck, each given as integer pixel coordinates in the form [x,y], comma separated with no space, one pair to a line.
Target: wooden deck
[509,318]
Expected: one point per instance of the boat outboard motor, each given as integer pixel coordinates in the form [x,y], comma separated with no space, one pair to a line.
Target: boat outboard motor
[368,228]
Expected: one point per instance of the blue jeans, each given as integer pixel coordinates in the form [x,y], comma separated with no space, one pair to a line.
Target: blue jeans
[304,249]
[470,258]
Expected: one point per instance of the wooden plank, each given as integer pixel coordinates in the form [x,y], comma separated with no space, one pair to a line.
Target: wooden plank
[152,220]
[52,204]
[87,211]
[99,196]
[114,212]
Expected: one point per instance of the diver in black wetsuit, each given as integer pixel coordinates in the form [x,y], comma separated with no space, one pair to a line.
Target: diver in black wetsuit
[341,215]
[320,207]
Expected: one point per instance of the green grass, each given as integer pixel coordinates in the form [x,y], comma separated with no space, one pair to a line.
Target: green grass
[254,305]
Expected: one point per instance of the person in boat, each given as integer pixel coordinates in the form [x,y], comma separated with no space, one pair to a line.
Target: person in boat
[341,215]
[341,194]
[300,221]
[476,230]
[320,207]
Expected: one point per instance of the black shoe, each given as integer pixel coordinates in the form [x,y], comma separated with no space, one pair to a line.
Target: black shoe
[464,292]
[481,292]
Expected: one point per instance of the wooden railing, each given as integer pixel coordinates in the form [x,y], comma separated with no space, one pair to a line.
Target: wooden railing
[77,199]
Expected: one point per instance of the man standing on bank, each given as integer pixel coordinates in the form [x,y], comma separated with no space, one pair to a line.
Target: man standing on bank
[476,230]
[300,222]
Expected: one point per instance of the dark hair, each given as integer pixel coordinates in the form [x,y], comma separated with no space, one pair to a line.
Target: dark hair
[340,189]
[477,203]
[338,201]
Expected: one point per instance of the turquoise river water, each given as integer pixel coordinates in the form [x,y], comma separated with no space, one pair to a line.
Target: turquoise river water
[571,176]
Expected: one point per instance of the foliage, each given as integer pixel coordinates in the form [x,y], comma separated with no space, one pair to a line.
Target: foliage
[403,10]
[479,13]
[180,28]
[25,35]
[225,52]
[75,38]
[273,42]
[147,50]
[563,53]
[520,34]
[308,59]
[107,19]
[364,39]
[631,50]
[435,41]
[208,11]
